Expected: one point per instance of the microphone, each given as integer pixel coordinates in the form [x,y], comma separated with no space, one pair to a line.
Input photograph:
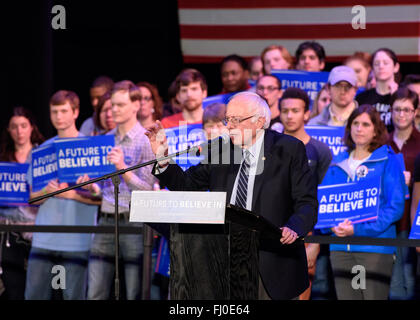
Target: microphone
[224,138]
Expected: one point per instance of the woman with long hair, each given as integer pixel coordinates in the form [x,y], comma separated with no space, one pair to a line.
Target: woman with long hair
[150,104]
[323,99]
[18,140]
[367,156]
[386,68]
[103,119]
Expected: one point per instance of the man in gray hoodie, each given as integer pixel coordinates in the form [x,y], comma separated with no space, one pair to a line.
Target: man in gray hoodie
[342,87]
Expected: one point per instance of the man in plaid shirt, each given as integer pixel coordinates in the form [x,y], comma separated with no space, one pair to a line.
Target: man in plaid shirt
[131,147]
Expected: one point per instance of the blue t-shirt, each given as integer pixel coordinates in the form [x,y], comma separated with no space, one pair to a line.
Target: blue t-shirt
[59,211]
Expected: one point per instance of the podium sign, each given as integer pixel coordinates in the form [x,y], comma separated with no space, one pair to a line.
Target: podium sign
[178,207]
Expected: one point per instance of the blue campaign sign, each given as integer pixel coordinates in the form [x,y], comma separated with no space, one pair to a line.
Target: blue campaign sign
[180,138]
[310,82]
[331,136]
[163,258]
[356,201]
[400,158]
[14,189]
[83,155]
[44,166]
[415,228]
[220,98]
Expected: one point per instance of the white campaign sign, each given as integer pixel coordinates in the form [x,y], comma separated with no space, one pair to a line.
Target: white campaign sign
[178,207]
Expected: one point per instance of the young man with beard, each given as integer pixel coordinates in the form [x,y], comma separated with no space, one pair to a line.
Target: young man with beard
[191,88]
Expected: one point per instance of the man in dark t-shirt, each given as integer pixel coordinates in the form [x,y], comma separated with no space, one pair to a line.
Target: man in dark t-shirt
[294,112]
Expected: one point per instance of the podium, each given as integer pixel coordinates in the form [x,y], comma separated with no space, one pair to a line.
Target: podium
[212,261]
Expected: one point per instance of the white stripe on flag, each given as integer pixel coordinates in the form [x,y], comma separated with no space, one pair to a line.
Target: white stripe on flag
[288,16]
[333,47]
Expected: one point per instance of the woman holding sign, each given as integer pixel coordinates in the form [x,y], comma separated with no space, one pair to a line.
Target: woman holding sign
[363,272]
[18,139]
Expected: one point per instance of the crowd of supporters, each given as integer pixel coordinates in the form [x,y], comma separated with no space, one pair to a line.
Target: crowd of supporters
[367,95]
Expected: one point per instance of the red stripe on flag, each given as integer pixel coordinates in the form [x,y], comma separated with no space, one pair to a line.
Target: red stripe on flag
[217,59]
[315,31]
[247,4]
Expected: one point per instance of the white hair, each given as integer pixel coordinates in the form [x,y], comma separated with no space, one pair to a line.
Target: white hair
[255,102]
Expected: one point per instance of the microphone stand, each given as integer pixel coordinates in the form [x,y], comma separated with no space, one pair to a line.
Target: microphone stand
[114,176]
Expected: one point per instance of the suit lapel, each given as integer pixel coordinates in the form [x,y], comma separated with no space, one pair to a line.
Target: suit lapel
[264,160]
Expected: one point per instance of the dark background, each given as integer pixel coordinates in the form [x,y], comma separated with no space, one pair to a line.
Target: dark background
[122,39]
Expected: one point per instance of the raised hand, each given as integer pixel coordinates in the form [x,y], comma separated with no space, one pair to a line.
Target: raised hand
[158,142]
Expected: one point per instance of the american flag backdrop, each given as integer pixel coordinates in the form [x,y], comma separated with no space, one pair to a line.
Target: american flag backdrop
[213,29]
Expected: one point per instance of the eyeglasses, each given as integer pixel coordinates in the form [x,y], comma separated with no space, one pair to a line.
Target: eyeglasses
[269,88]
[403,110]
[146,99]
[235,120]
[346,87]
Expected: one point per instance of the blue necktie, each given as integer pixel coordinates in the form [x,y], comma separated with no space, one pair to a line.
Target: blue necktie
[242,189]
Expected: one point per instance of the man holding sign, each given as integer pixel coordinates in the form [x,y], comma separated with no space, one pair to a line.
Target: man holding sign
[131,147]
[70,250]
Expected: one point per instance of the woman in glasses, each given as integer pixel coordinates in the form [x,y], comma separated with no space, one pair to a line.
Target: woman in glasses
[404,139]
[150,104]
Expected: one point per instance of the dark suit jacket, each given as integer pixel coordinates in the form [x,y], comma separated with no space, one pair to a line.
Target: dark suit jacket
[284,193]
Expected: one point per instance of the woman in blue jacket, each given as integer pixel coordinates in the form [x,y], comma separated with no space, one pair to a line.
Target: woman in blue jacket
[368,156]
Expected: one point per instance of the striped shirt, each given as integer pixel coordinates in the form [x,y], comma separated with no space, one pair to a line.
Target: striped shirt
[136,148]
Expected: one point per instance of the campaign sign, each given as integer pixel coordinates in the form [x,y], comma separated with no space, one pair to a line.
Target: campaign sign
[356,201]
[415,228]
[180,138]
[310,82]
[83,155]
[14,190]
[44,166]
[400,158]
[163,258]
[331,136]
[220,98]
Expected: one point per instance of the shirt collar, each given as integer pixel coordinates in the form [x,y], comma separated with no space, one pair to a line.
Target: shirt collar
[256,147]
[134,131]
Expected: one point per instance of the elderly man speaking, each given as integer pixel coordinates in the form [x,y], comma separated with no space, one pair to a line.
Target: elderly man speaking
[271,177]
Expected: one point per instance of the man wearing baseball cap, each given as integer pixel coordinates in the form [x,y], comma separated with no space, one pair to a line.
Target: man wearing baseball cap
[342,87]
